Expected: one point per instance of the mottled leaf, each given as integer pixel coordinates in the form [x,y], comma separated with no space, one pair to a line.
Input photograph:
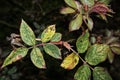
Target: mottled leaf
[71,3]
[83,42]
[100,73]
[27,34]
[88,2]
[56,37]
[15,55]
[116,50]
[52,50]
[48,33]
[76,23]
[83,73]
[67,10]
[37,58]
[70,61]
[97,53]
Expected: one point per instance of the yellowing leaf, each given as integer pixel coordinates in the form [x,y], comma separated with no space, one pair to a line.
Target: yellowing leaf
[15,55]
[100,73]
[83,73]
[27,34]
[48,33]
[97,53]
[37,58]
[76,23]
[67,10]
[71,3]
[52,50]
[70,61]
[83,42]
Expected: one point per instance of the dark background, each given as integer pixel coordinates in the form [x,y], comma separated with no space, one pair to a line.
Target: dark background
[38,14]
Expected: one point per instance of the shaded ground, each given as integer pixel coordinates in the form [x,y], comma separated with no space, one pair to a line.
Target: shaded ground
[39,13]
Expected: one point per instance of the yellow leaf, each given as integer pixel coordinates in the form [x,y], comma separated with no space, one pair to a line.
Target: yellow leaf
[70,61]
[48,33]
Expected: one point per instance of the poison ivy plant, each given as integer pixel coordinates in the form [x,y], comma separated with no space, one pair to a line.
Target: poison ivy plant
[94,51]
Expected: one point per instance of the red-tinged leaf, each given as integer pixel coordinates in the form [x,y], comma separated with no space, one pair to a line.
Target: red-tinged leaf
[67,45]
[100,8]
[76,23]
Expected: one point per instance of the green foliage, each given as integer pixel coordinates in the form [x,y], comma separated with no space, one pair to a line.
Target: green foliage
[67,10]
[71,3]
[76,23]
[56,37]
[27,34]
[100,73]
[105,1]
[37,58]
[95,51]
[83,73]
[52,50]
[88,2]
[83,42]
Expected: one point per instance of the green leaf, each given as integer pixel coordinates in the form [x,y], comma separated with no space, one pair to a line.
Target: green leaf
[37,58]
[48,33]
[105,1]
[52,50]
[89,23]
[70,61]
[100,73]
[83,73]
[56,37]
[97,53]
[15,55]
[76,23]
[110,56]
[67,10]
[27,34]
[83,42]
[88,2]
[71,3]
[116,49]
